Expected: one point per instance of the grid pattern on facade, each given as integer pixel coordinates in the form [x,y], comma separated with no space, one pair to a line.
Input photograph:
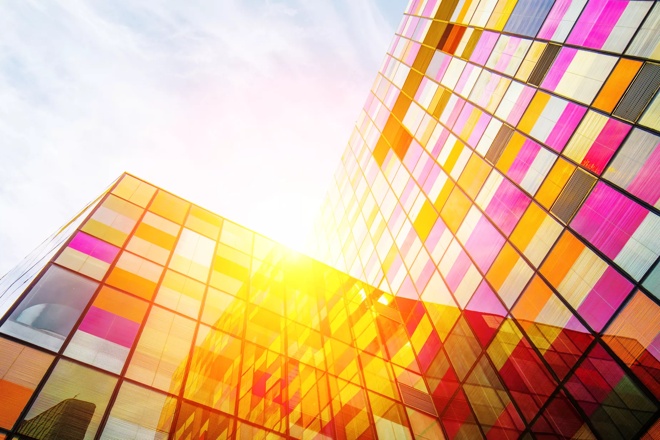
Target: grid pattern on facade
[504,172]
[158,319]
[493,231]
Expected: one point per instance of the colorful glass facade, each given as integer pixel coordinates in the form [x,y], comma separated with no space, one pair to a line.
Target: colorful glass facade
[492,239]
[504,173]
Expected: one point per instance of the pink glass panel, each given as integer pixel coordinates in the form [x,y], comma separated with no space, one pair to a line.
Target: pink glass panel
[605,145]
[608,219]
[412,54]
[455,112]
[391,97]
[94,247]
[398,210]
[434,172]
[603,300]
[108,326]
[485,301]
[423,168]
[425,275]
[565,126]
[439,145]
[479,129]
[438,65]
[458,271]
[394,268]
[419,30]
[484,47]
[422,88]
[646,184]
[434,236]
[407,191]
[558,68]
[507,206]
[596,23]
[412,24]
[428,9]
[467,71]
[484,244]
[484,312]
[523,161]
[463,117]
[381,119]
[554,18]
[412,155]
[521,105]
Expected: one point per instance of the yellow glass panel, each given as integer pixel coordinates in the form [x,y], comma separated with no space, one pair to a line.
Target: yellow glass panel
[510,152]
[554,182]
[237,237]
[180,293]
[204,222]
[474,175]
[455,210]
[470,124]
[105,232]
[113,220]
[155,235]
[455,153]
[425,220]
[169,206]
[534,110]
[501,14]
[504,344]
[163,346]
[134,190]
[530,60]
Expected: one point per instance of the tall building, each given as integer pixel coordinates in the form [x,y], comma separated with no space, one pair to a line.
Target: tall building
[491,235]
[504,171]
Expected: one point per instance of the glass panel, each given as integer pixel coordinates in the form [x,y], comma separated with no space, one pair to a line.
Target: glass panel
[139,413]
[88,255]
[134,190]
[21,370]
[159,358]
[108,330]
[50,310]
[194,422]
[70,405]
[169,206]
[113,220]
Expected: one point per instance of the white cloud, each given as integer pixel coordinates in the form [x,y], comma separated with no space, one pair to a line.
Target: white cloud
[241,107]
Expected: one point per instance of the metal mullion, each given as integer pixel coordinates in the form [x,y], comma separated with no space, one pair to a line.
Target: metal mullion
[136,341]
[57,356]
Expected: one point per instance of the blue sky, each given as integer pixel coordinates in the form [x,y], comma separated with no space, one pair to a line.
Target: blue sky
[243,107]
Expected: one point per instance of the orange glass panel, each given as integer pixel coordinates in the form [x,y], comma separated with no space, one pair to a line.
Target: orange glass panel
[554,182]
[454,211]
[561,259]
[474,175]
[616,84]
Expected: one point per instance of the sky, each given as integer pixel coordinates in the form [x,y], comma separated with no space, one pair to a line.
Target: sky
[242,107]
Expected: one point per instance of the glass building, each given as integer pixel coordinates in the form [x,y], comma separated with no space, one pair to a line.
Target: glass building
[491,240]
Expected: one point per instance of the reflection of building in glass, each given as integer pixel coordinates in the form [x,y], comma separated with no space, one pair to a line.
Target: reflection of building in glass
[493,232]
[68,420]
